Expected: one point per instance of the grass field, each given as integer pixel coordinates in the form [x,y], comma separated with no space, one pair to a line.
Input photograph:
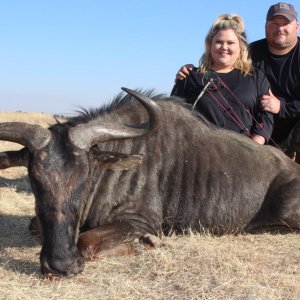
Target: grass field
[194,266]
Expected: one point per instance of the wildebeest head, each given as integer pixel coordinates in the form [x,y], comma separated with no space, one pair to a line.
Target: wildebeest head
[60,166]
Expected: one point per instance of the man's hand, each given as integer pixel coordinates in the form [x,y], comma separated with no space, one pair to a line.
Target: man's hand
[184,71]
[270,103]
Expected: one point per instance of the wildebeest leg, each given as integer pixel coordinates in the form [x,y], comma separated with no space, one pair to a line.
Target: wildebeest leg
[289,212]
[115,240]
[10,159]
[281,206]
[297,158]
[293,141]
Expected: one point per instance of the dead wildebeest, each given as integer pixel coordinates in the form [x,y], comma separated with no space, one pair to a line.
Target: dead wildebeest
[127,172]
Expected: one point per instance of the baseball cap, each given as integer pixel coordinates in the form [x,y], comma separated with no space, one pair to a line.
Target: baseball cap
[282,9]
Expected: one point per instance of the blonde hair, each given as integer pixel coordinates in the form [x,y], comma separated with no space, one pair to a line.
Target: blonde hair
[224,22]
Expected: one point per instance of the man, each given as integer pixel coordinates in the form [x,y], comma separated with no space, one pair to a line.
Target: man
[278,56]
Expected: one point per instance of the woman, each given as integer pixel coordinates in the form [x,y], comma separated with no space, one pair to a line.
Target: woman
[226,88]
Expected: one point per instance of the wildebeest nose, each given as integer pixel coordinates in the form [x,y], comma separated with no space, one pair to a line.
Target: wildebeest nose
[75,267]
[62,267]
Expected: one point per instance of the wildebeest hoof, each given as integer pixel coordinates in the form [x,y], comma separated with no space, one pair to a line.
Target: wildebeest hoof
[152,240]
[138,248]
[51,277]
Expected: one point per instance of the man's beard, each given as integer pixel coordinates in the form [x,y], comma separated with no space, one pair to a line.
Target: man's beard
[279,43]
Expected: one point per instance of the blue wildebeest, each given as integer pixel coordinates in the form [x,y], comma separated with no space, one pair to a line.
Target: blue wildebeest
[111,179]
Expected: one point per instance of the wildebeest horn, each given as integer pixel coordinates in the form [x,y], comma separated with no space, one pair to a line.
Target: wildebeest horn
[152,108]
[34,137]
[84,136]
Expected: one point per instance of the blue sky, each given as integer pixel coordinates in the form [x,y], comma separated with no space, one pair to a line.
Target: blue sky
[58,55]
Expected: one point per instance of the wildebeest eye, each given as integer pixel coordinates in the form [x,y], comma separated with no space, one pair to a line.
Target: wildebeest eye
[118,161]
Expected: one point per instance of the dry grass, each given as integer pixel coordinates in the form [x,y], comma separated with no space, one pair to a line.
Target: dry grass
[42,119]
[194,266]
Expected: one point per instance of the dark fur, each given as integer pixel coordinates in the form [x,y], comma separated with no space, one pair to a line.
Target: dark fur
[193,175]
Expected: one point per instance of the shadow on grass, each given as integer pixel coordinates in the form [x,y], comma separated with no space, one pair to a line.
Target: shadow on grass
[276,229]
[14,232]
[21,185]
[9,263]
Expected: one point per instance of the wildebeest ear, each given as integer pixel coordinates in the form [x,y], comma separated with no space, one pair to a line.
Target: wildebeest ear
[10,159]
[118,161]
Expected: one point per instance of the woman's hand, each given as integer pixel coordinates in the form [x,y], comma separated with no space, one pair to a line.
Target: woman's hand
[258,139]
[184,71]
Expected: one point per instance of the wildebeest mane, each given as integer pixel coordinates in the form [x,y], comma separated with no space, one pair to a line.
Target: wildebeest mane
[85,115]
